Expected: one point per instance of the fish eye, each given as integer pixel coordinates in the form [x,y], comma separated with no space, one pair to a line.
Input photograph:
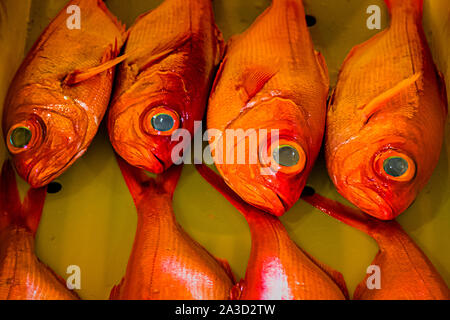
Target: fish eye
[20,137]
[161,121]
[286,156]
[395,166]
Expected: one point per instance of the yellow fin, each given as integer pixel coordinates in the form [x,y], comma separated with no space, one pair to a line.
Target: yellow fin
[379,102]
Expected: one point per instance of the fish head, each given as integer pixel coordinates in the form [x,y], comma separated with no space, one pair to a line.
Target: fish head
[382,175]
[44,140]
[271,154]
[144,121]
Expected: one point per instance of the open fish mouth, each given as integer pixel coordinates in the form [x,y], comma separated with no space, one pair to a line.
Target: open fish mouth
[371,203]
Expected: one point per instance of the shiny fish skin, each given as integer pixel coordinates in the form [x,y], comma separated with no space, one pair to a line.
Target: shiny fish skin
[390,99]
[278,269]
[63,116]
[174,51]
[406,272]
[271,78]
[22,275]
[166,263]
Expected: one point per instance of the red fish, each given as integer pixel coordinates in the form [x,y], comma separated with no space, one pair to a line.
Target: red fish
[164,85]
[271,79]
[22,275]
[61,92]
[166,263]
[278,269]
[386,120]
[406,272]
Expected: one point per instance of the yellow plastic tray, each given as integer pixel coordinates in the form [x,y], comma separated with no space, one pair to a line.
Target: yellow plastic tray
[91,222]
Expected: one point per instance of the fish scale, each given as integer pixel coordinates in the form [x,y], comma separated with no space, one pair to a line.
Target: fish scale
[271,78]
[68,73]
[389,98]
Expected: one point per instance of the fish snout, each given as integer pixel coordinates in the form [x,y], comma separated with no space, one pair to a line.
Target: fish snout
[371,202]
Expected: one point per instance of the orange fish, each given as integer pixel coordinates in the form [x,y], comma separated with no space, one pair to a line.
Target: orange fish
[61,92]
[164,85]
[22,275]
[406,272]
[278,269]
[271,79]
[387,116]
[166,263]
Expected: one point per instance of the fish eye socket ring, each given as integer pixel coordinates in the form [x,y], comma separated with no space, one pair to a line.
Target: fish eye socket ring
[395,166]
[286,156]
[161,121]
[21,137]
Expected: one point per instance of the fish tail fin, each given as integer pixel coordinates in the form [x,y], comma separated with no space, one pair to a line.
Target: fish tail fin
[219,184]
[352,217]
[409,5]
[139,182]
[12,211]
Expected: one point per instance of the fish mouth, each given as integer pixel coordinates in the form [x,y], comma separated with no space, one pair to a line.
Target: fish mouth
[372,203]
[142,157]
[262,198]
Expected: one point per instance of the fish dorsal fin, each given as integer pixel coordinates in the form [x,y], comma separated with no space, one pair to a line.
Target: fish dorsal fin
[336,276]
[255,78]
[107,63]
[369,109]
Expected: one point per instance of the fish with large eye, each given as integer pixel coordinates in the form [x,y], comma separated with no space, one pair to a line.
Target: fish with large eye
[282,85]
[59,95]
[384,141]
[164,85]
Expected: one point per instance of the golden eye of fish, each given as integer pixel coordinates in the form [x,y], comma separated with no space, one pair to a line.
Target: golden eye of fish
[20,137]
[395,166]
[161,121]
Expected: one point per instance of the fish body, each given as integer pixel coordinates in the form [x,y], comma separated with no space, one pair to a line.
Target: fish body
[405,271]
[166,263]
[22,275]
[61,92]
[278,269]
[271,79]
[164,85]
[387,116]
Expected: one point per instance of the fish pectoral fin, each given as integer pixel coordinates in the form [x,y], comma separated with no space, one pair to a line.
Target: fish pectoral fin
[336,276]
[107,63]
[378,103]
[162,51]
[255,78]
[226,266]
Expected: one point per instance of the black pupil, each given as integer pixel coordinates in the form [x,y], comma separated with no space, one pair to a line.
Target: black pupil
[163,122]
[20,137]
[396,167]
[286,156]
[54,187]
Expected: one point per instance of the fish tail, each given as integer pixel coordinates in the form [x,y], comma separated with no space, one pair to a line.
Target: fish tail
[408,5]
[219,184]
[28,214]
[139,182]
[352,217]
